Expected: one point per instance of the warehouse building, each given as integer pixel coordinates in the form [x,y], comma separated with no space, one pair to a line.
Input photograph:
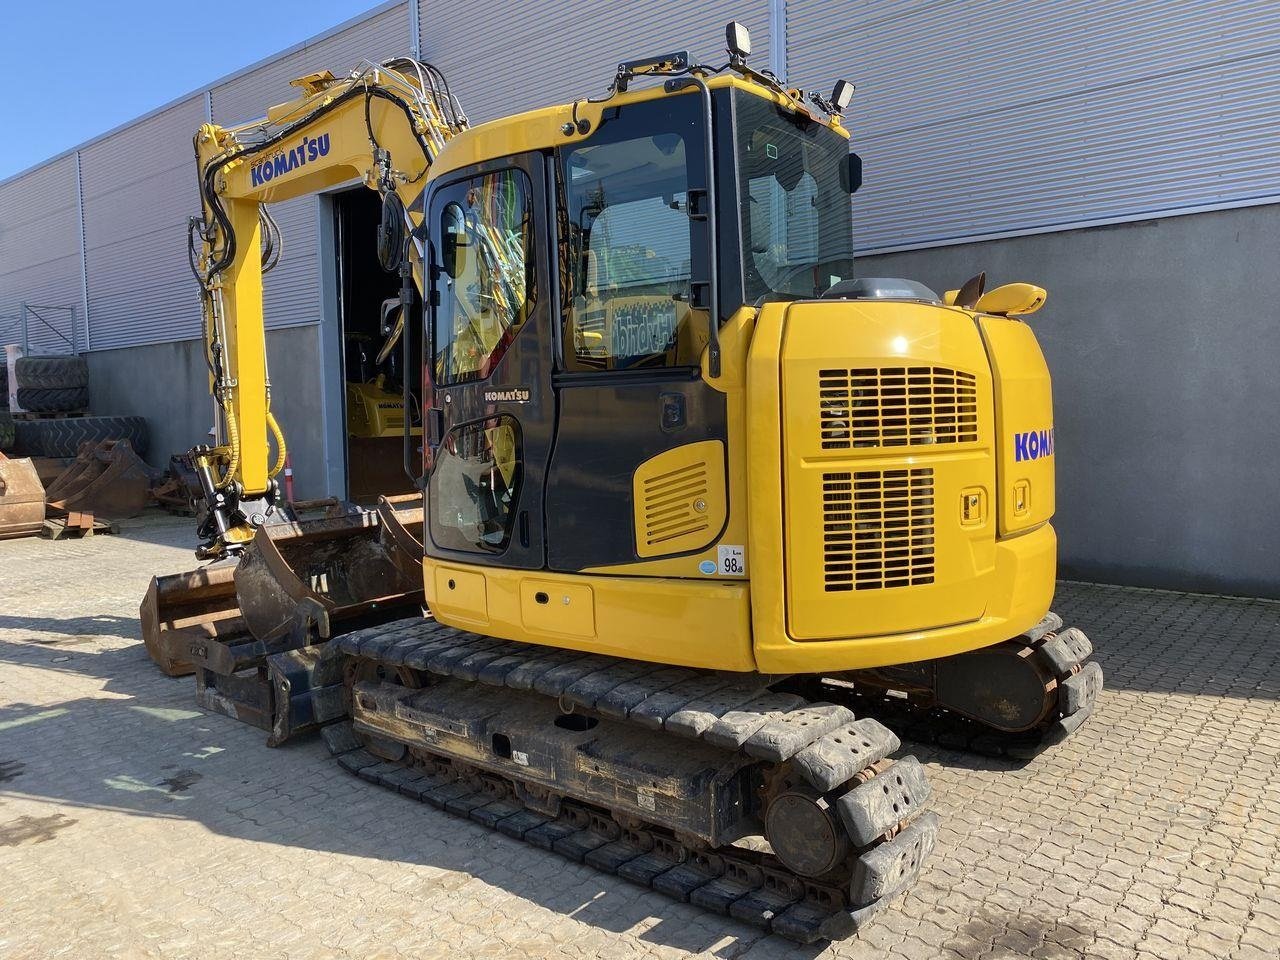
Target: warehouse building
[1124,155]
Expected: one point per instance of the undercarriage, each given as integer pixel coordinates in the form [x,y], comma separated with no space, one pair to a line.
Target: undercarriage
[766,798]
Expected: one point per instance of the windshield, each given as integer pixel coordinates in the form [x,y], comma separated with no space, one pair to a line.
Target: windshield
[797,226]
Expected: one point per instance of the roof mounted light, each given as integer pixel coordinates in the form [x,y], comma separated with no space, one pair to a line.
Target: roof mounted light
[738,41]
[841,96]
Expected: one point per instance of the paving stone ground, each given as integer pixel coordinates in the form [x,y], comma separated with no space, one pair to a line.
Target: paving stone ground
[133,824]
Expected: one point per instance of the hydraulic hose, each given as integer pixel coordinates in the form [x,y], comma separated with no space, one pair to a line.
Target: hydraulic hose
[233,441]
[281,450]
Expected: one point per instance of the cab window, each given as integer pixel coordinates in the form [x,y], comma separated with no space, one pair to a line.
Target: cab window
[626,235]
[486,282]
[476,485]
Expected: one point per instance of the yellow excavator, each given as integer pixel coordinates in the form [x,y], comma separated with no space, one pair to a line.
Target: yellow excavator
[702,509]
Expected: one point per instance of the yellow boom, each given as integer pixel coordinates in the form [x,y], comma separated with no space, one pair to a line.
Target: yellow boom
[382,125]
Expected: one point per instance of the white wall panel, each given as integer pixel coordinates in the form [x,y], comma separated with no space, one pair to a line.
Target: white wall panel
[139,190]
[291,293]
[40,254]
[985,117]
[524,54]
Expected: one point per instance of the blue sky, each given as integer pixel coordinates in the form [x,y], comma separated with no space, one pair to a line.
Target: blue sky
[81,68]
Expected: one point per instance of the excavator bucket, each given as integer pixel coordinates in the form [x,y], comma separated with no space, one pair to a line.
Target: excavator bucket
[107,479]
[197,605]
[21,498]
[247,629]
[320,572]
[401,519]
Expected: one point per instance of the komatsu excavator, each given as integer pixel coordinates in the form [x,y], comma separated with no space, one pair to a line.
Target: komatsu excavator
[702,507]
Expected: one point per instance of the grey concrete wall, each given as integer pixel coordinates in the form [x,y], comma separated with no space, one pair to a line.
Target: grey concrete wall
[167,383]
[1164,341]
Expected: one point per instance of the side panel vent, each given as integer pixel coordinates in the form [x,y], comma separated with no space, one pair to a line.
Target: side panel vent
[868,407]
[679,499]
[877,529]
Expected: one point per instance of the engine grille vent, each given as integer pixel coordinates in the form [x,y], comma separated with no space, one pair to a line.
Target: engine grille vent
[877,529]
[670,504]
[896,407]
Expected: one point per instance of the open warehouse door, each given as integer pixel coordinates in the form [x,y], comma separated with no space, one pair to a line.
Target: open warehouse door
[373,406]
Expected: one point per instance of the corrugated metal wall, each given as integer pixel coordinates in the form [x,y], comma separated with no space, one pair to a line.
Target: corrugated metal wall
[504,58]
[139,190]
[292,290]
[40,254]
[976,119]
[987,117]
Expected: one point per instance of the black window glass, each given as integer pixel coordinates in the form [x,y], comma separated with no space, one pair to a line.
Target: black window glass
[486,284]
[475,485]
[797,222]
[627,234]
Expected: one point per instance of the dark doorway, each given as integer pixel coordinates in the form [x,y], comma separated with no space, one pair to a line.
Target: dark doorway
[373,406]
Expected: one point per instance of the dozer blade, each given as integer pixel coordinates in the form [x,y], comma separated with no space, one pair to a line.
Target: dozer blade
[182,608]
[401,517]
[319,572]
[21,498]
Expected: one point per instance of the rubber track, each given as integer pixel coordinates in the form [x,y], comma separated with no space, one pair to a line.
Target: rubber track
[825,744]
[1064,652]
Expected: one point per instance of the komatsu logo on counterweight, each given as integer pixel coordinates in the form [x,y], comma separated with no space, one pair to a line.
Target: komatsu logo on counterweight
[1033,445]
[310,149]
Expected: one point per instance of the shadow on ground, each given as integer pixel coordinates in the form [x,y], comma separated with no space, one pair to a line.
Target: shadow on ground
[157,755]
[160,756]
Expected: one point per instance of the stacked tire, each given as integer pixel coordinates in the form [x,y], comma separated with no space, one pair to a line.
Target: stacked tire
[54,384]
[64,436]
[60,385]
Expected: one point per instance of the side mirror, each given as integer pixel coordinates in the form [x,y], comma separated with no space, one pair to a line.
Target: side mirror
[1012,300]
[851,174]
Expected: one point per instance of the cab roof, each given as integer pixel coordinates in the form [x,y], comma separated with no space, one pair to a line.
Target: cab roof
[545,128]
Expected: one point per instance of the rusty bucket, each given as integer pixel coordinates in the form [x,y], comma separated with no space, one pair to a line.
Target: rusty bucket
[21,498]
[324,570]
[191,606]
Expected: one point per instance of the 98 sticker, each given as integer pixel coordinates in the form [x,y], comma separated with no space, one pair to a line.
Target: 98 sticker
[731,560]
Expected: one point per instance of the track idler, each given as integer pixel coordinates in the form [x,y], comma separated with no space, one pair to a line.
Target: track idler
[1015,698]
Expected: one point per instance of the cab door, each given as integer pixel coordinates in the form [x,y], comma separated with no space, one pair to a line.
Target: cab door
[490,408]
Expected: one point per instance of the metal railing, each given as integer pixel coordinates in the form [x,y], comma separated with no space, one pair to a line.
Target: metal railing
[41,320]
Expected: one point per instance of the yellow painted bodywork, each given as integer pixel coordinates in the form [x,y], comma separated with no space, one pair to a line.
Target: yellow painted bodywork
[880,335]
[690,623]
[679,499]
[989,586]
[1024,406]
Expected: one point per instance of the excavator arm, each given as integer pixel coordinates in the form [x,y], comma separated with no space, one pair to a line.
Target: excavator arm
[381,125]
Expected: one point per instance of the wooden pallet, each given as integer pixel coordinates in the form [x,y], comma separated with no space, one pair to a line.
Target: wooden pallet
[74,523]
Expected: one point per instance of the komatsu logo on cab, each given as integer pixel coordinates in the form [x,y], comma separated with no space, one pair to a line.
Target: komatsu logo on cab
[1032,445]
[311,148]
